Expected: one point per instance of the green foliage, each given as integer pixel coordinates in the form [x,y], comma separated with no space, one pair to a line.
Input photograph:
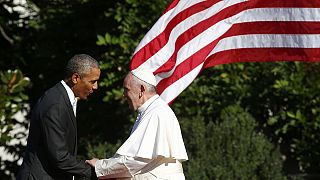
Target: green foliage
[194,134]
[102,150]
[292,110]
[12,101]
[230,148]
[287,111]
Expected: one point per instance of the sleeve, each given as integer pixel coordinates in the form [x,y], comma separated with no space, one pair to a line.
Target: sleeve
[119,167]
[55,142]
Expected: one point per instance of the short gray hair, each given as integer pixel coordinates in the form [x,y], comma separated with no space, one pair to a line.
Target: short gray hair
[150,88]
[81,64]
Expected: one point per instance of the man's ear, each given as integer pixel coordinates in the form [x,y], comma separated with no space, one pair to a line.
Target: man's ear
[75,78]
[142,90]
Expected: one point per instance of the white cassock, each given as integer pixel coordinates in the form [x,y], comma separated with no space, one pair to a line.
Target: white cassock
[154,150]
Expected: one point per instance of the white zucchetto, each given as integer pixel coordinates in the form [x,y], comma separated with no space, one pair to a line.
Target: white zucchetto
[145,75]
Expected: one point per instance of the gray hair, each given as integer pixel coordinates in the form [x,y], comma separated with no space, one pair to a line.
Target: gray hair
[150,88]
[81,64]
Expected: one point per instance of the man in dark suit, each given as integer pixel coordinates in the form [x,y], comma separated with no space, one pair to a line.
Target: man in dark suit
[52,142]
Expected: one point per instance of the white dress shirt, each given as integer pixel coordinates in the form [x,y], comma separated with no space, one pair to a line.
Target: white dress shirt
[72,98]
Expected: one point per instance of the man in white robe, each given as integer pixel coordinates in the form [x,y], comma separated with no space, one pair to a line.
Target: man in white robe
[155,148]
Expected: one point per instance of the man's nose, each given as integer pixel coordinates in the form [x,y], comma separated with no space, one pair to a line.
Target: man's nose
[95,85]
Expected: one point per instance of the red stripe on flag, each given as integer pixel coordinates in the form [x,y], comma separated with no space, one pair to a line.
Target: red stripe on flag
[272,27]
[284,3]
[263,55]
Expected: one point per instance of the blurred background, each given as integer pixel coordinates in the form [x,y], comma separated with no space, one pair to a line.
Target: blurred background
[239,121]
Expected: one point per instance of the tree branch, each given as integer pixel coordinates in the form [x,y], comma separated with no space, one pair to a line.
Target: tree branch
[5,35]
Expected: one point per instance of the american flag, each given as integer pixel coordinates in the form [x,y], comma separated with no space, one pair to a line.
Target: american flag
[192,35]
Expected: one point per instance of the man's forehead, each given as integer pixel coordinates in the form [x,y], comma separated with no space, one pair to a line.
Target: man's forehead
[126,81]
[129,81]
[94,75]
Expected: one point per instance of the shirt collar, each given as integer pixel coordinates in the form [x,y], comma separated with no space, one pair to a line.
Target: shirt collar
[71,95]
[147,103]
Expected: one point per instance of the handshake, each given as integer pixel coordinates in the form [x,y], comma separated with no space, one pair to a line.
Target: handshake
[92,162]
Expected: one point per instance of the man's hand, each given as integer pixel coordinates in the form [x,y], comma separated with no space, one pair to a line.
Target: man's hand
[92,162]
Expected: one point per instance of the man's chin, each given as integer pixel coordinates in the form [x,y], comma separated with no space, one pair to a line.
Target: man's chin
[83,97]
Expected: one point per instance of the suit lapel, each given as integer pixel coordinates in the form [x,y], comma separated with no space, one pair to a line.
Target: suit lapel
[64,93]
[67,102]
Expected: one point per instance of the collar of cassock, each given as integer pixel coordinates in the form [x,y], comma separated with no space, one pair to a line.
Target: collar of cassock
[146,104]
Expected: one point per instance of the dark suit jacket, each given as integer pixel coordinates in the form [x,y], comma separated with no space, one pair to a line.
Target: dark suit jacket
[52,142]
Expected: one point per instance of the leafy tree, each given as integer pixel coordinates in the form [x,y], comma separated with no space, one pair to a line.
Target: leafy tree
[230,148]
[12,101]
[294,112]
[15,17]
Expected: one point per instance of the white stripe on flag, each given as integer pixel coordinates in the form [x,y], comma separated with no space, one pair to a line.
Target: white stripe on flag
[266,41]
[279,14]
